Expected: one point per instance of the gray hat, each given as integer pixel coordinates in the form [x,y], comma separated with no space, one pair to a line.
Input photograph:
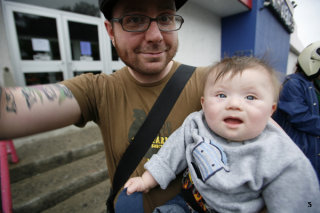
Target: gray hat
[309,60]
[106,6]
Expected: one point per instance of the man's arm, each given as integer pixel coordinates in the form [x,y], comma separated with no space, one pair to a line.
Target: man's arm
[29,110]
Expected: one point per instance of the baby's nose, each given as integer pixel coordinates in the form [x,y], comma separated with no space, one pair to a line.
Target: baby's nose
[234,103]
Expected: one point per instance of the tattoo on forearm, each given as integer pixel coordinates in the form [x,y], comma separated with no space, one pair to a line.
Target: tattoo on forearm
[64,92]
[31,96]
[35,94]
[47,91]
[11,103]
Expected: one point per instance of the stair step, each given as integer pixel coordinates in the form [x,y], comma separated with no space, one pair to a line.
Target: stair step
[43,154]
[92,200]
[45,190]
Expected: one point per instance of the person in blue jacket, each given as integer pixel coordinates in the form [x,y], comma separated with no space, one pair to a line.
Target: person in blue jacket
[298,106]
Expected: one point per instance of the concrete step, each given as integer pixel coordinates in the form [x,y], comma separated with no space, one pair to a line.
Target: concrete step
[48,189]
[49,150]
[92,200]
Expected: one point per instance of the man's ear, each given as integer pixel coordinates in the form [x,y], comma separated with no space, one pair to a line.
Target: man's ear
[109,29]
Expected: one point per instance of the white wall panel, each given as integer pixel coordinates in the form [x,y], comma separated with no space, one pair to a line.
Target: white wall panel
[199,37]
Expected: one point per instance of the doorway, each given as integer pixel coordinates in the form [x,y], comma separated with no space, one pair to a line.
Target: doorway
[49,45]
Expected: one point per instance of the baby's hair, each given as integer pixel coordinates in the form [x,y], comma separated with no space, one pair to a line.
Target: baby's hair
[237,64]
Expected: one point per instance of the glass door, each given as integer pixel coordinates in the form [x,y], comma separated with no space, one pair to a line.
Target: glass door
[51,45]
[84,52]
[35,40]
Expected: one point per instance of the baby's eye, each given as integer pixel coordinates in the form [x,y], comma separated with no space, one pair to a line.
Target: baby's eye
[250,97]
[221,95]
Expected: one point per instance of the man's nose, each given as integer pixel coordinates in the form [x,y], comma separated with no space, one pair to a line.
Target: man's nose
[153,33]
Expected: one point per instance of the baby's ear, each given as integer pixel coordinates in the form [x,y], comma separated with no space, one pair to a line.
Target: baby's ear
[274,107]
[202,101]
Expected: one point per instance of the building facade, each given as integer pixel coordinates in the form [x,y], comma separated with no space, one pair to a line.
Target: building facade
[42,43]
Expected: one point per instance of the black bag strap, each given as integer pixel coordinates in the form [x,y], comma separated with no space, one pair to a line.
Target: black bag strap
[149,130]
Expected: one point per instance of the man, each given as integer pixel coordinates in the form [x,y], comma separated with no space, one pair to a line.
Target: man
[144,33]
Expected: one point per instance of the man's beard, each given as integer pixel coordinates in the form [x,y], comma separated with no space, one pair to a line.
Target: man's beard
[139,66]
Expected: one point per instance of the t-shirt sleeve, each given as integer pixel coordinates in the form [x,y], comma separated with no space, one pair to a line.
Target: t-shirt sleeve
[84,88]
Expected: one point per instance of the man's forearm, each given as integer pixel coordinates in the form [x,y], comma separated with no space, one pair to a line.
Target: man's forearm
[8,101]
[28,110]
[40,94]
[33,96]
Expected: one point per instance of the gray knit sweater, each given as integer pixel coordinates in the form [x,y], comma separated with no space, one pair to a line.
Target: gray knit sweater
[239,176]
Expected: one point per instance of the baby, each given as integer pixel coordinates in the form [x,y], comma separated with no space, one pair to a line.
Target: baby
[238,159]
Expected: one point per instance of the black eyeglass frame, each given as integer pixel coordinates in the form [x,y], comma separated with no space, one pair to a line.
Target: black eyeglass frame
[120,20]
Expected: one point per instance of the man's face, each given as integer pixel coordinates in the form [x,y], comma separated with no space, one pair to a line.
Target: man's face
[239,108]
[146,52]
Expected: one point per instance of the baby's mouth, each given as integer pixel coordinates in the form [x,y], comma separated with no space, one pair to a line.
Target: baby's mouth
[233,120]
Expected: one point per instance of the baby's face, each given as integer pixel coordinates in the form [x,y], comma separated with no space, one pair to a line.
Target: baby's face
[238,108]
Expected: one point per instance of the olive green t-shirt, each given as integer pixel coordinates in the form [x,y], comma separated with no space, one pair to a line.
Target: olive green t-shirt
[119,104]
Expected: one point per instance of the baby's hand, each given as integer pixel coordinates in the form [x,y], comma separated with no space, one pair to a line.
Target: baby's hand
[135,184]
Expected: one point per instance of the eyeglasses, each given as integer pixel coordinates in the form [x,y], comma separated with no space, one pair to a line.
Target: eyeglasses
[141,23]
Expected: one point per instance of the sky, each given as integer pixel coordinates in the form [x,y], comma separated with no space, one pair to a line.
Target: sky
[307,20]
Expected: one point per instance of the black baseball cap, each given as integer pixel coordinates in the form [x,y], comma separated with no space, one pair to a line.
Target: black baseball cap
[106,6]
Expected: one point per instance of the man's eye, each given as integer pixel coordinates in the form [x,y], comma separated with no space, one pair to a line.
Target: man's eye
[221,96]
[250,97]
[165,19]
[134,20]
